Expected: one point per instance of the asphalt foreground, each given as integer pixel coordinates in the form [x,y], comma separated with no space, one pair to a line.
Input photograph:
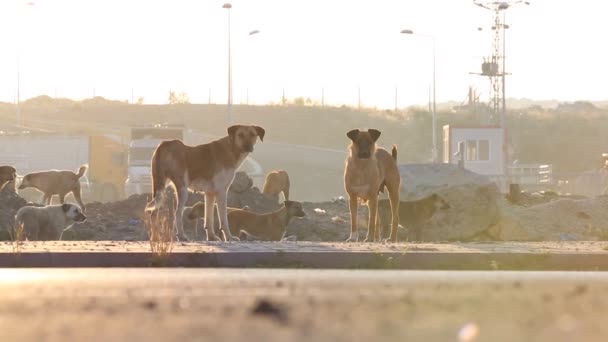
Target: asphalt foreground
[538,256]
[300,305]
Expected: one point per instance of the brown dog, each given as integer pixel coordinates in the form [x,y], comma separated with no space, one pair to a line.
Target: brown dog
[369,169]
[414,214]
[197,211]
[55,182]
[277,181]
[7,174]
[270,226]
[209,168]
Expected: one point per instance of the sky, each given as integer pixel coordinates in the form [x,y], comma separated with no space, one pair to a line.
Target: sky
[126,49]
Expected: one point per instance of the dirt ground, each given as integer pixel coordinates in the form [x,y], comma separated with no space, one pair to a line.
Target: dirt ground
[477,212]
[300,305]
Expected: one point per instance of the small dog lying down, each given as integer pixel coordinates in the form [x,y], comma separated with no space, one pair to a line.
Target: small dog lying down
[271,226]
[48,223]
[413,215]
[197,211]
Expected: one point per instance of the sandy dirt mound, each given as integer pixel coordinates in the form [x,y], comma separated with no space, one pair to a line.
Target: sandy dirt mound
[559,220]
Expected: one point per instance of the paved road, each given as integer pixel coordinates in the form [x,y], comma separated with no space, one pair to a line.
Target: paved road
[296,305]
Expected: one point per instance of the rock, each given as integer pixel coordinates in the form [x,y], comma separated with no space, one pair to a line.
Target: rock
[241,183]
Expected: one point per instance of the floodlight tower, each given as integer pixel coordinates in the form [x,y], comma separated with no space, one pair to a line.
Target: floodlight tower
[494,67]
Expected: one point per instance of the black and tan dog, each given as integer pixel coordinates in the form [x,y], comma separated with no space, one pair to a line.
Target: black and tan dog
[209,168]
[369,170]
[7,174]
[413,215]
[55,182]
[270,227]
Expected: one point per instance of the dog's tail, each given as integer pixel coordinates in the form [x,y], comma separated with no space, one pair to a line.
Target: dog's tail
[158,178]
[394,152]
[82,170]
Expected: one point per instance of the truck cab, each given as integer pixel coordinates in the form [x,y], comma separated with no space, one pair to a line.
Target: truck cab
[144,141]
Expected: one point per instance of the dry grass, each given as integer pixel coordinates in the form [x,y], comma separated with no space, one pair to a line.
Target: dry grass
[17,233]
[160,233]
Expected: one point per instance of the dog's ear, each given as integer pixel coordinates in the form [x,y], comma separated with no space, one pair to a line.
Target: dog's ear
[65,207]
[232,130]
[260,131]
[375,134]
[352,135]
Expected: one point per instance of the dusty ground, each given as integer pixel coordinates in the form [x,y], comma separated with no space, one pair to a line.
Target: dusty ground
[300,305]
[478,212]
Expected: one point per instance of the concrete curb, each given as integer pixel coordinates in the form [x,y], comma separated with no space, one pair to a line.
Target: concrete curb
[318,259]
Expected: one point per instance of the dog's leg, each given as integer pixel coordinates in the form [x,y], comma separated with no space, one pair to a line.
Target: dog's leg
[210,217]
[222,203]
[61,198]
[379,226]
[182,197]
[372,205]
[354,234]
[394,198]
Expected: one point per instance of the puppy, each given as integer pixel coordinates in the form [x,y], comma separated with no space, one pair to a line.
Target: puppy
[369,170]
[413,214]
[7,174]
[209,168]
[271,226]
[48,223]
[197,211]
[55,182]
[276,182]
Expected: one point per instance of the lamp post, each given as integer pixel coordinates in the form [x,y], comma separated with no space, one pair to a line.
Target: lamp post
[229,101]
[434,112]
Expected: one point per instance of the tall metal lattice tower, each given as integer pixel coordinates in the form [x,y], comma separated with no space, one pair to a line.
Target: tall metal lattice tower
[494,66]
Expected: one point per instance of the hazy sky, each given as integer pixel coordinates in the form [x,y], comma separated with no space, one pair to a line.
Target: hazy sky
[71,48]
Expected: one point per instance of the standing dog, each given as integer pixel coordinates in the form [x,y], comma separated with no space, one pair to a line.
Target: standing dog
[55,182]
[48,223]
[277,181]
[369,169]
[271,226]
[7,174]
[209,168]
[414,214]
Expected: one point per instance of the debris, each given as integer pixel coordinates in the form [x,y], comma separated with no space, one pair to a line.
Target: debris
[265,307]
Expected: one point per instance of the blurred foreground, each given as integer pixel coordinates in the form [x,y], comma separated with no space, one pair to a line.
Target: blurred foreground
[295,305]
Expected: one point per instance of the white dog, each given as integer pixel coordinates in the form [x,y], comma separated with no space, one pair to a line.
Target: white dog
[48,223]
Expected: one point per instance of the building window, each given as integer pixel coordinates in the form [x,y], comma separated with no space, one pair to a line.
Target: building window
[478,150]
[484,150]
[472,150]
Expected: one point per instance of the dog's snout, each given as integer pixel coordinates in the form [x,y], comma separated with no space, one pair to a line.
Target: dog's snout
[364,155]
[80,218]
[248,147]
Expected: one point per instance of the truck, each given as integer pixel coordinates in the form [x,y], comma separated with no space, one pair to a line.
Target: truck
[143,143]
[31,151]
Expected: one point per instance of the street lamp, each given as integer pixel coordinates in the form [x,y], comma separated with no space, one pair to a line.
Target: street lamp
[434,113]
[251,33]
[229,102]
